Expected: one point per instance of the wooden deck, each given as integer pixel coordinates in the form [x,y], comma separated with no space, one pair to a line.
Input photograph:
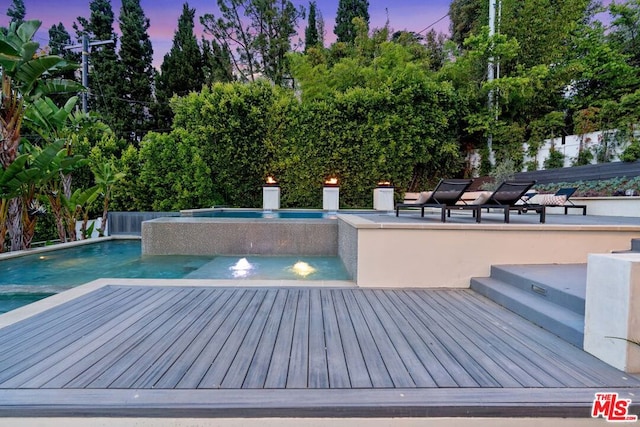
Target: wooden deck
[291,352]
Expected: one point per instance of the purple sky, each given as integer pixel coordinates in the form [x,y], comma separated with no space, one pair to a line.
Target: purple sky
[412,15]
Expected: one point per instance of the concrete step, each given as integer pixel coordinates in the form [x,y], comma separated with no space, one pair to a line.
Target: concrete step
[635,247]
[561,284]
[557,319]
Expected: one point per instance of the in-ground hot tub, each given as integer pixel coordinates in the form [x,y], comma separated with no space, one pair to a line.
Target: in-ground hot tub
[242,232]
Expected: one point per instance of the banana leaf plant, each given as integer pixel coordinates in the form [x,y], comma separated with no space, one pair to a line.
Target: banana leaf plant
[13,180]
[106,177]
[77,206]
[51,163]
[26,76]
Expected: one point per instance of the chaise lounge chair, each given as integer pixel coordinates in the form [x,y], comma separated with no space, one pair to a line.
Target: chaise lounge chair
[508,197]
[559,200]
[446,194]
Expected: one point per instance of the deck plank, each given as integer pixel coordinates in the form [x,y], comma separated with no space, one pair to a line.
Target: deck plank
[201,365]
[395,339]
[376,367]
[598,373]
[429,320]
[299,359]
[239,367]
[318,368]
[319,403]
[257,371]
[338,373]
[356,365]
[46,321]
[230,348]
[38,356]
[217,313]
[479,353]
[173,346]
[279,365]
[390,354]
[146,324]
[155,345]
[525,345]
[47,324]
[300,352]
[94,356]
[486,342]
[419,345]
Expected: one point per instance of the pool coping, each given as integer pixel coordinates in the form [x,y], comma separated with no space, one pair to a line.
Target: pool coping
[63,297]
[57,246]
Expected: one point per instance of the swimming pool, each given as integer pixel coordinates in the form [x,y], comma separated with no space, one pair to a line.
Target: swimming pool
[29,278]
[256,214]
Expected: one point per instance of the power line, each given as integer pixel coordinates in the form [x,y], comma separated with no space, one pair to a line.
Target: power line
[431,25]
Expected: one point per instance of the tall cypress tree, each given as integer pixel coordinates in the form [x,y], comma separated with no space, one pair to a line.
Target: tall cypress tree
[59,37]
[181,70]
[17,12]
[105,74]
[311,38]
[217,62]
[347,10]
[136,56]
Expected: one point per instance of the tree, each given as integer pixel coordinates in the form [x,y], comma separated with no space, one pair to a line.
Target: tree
[345,30]
[216,60]
[105,75]
[467,17]
[544,28]
[182,69]
[625,29]
[259,31]
[17,12]
[58,39]
[311,38]
[25,78]
[106,178]
[136,57]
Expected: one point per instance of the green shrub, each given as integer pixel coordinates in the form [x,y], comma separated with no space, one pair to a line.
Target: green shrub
[584,157]
[631,153]
[555,159]
[504,171]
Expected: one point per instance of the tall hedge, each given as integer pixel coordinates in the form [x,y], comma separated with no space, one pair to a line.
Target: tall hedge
[229,137]
[364,136]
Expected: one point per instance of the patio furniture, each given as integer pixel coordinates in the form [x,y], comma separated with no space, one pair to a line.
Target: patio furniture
[508,197]
[446,194]
[559,200]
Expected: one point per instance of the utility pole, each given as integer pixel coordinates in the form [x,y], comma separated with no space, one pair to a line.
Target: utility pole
[85,65]
[491,77]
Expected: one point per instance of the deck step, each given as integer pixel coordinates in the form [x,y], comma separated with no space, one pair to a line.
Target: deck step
[561,284]
[635,247]
[555,318]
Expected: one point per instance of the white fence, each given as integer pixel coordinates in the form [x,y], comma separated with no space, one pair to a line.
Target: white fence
[570,147]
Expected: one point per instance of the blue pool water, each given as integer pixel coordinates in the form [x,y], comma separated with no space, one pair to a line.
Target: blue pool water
[27,279]
[266,214]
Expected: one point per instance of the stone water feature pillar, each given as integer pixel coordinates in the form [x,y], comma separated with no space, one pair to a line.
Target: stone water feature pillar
[270,195]
[331,195]
[612,310]
[383,197]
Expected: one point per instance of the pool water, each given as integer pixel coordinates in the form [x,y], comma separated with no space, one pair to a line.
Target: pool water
[266,214]
[27,279]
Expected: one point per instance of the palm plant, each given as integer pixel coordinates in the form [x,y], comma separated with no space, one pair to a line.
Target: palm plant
[49,164]
[106,177]
[12,182]
[26,76]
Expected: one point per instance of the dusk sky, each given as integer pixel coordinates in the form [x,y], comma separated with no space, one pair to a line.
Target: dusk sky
[411,15]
